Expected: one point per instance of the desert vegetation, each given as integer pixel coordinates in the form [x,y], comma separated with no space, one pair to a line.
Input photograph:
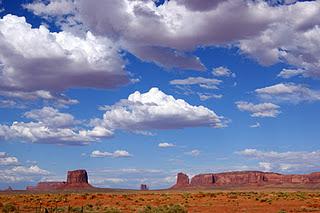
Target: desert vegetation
[161,202]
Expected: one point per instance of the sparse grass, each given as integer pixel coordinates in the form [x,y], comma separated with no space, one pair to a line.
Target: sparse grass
[213,195]
[111,210]
[77,209]
[164,209]
[60,209]
[162,201]
[9,207]
[233,195]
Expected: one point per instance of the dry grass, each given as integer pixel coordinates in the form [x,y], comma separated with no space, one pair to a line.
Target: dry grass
[163,201]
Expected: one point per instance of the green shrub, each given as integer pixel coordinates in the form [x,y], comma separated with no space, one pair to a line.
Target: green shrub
[186,195]
[60,209]
[111,210]
[77,209]
[9,207]
[89,206]
[164,209]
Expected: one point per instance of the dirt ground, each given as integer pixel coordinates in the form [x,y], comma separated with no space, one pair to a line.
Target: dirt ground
[136,201]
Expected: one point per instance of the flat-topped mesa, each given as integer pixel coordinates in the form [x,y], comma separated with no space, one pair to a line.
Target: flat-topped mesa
[46,186]
[246,178]
[182,181]
[230,178]
[77,179]
[314,177]
[203,180]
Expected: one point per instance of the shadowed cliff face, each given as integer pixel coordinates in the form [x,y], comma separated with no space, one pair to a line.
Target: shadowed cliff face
[245,178]
[182,181]
[77,179]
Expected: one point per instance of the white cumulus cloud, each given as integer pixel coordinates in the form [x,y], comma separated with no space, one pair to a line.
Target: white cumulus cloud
[115,154]
[207,83]
[165,145]
[222,72]
[43,64]
[166,34]
[6,160]
[48,125]
[290,161]
[193,153]
[289,92]
[206,96]
[53,8]
[288,73]
[32,170]
[155,110]
[259,110]
[51,117]
[17,174]
[265,166]
[256,125]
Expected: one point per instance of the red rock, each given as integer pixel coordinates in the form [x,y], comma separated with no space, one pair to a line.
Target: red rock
[45,186]
[245,178]
[239,178]
[77,179]
[203,180]
[144,187]
[182,181]
[314,177]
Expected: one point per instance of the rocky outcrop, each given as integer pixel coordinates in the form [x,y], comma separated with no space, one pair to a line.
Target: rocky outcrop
[144,187]
[203,180]
[77,179]
[245,178]
[45,186]
[314,177]
[182,181]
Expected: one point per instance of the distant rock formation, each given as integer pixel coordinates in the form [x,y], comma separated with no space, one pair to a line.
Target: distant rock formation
[245,178]
[45,186]
[144,187]
[77,179]
[182,181]
[9,189]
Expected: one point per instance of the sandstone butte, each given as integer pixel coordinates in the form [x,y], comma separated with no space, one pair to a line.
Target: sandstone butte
[77,179]
[144,187]
[246,179]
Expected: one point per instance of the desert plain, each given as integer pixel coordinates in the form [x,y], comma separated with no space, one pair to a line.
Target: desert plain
[175,201]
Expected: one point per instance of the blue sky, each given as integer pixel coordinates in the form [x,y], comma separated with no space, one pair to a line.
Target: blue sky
[135,92]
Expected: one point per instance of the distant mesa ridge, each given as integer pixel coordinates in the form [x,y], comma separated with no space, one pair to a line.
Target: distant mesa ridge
[77,179]
[245,178]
